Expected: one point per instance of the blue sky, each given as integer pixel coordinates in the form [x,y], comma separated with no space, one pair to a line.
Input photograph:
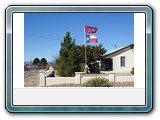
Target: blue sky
[43,32]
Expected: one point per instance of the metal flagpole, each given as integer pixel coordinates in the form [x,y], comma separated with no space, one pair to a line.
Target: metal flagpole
[85,66]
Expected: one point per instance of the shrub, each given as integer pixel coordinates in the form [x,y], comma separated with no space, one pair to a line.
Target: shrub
[97,82]
[26,68]
[132,71]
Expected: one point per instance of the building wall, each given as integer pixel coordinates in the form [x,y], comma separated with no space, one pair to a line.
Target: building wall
[129,61]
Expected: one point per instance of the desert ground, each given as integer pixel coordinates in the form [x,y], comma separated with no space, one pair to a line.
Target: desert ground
[31,78]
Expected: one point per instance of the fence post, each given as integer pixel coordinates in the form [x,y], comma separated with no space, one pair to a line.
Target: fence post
[77,77]
[112,77]
[42,81]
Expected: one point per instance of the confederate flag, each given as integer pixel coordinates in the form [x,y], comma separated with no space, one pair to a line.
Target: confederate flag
[90,30]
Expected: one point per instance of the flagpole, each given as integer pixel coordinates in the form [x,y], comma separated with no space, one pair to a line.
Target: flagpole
[85,69]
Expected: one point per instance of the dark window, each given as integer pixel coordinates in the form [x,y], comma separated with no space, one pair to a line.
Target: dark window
[123,61]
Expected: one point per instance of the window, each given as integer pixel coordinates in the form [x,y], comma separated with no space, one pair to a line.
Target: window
[123,61]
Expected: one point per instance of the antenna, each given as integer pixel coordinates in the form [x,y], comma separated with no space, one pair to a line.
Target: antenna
[115,46]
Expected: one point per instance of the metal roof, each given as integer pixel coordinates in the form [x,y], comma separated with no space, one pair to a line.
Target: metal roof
[114,51]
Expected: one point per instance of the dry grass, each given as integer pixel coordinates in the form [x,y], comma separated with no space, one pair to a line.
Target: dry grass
[114,84]
[31,81]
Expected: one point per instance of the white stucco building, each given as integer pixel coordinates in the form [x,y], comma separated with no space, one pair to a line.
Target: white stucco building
[120,60]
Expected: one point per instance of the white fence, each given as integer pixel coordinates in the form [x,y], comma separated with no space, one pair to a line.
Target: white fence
[124,78]
[59,80]
[49,72]
[79,78]
[43,75]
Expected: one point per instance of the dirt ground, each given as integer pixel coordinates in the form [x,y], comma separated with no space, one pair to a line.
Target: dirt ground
[32,81]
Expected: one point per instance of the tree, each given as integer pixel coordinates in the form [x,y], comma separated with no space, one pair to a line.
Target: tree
[36,61]
[43,62]
[93,52]
[66,64]
[55,57]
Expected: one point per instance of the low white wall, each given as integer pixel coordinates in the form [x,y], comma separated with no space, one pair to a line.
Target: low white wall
[78,79]
[48,72]
[71,80]
[124,78]
[59,80]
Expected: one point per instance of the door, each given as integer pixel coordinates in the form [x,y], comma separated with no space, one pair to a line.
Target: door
[109,64]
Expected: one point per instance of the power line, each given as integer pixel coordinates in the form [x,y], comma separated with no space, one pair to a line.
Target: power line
[29,35]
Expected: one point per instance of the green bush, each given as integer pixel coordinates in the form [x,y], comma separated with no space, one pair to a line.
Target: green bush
[97,82]
[132,71]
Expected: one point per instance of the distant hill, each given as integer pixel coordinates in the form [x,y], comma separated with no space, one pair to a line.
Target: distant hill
[51,63]
[30,63]
[27,62]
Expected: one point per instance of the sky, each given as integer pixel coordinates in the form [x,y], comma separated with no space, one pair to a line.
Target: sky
[43,32]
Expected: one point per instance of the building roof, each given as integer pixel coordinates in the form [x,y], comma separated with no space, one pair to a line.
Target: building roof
[116,50]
